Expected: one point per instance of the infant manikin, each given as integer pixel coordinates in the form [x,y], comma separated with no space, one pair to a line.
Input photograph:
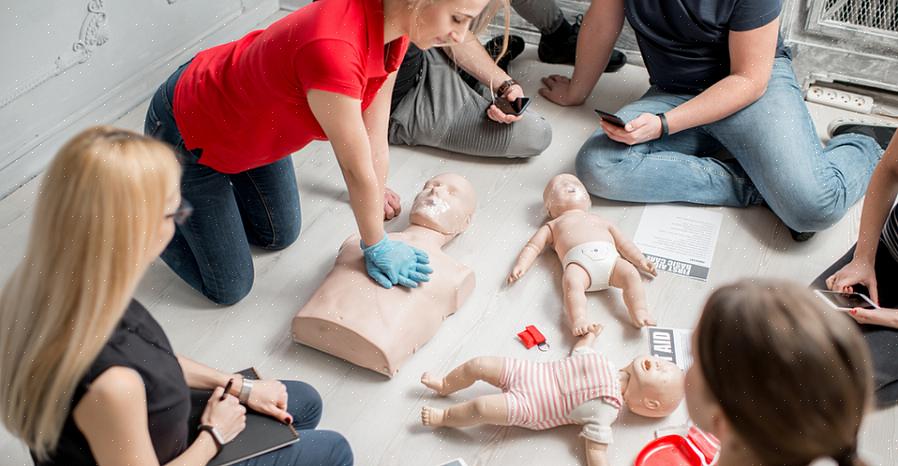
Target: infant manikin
[594,254]
[352,317]
[584,388]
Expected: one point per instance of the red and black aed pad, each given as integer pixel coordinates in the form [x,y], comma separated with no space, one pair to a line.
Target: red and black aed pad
[531,337]
[697,448]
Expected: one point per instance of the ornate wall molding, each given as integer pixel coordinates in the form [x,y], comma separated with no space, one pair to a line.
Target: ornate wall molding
[94,33]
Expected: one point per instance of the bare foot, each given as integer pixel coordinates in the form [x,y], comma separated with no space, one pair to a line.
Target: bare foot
[432,416]
[433,383]
[596,329]
[641,318]
[582,326]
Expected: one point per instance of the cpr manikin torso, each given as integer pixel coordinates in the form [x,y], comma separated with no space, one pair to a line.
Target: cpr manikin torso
[354,318]
[594,254]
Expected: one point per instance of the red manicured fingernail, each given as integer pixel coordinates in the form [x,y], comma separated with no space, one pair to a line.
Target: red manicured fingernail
[853,311]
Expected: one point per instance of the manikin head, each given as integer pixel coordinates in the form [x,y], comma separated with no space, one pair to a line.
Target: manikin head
[778,375]
[445,204]
[655,387]
[565,192]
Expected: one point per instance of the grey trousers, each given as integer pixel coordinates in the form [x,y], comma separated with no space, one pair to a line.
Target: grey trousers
[442,111]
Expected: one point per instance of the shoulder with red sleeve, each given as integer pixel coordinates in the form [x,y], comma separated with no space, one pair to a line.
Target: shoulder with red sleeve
[244,103]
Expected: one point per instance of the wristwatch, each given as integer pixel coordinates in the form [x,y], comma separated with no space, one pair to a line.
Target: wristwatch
[245,390]
[503,88]
[216,436]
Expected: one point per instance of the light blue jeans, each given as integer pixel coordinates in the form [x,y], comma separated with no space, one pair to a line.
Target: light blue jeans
[767,152]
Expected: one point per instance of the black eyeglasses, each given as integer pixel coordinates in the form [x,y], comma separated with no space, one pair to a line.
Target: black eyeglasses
[180,215]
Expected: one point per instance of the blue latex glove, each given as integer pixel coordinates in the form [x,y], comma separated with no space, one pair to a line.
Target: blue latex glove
[391,263]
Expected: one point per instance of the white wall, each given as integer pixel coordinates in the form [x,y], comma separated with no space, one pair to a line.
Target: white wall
[69,64]
[294,4]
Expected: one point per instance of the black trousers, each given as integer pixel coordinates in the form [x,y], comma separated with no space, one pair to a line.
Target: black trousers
[883,341]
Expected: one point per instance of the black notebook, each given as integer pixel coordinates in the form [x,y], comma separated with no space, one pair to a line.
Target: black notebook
[261,435]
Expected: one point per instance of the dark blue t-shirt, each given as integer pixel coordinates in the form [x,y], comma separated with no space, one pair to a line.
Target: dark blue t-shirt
[685,43]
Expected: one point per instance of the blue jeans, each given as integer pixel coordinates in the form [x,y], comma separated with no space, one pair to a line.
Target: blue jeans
[315,447]
[767,152]
[211,250]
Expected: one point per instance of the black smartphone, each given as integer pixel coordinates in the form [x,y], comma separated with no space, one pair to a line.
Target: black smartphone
[611,118]
[512,107]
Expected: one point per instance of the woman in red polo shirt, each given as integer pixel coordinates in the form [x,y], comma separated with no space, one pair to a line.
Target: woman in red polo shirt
[237,111]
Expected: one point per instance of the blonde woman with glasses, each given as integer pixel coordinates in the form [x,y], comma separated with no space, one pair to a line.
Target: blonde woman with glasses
[89,376]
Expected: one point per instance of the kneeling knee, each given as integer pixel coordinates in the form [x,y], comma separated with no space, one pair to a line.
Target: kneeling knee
[231,293]
[286,235]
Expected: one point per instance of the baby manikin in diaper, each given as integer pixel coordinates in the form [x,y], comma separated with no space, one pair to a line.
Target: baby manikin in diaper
[594,254]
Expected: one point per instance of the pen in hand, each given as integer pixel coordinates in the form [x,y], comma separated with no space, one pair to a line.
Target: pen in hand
[227,388]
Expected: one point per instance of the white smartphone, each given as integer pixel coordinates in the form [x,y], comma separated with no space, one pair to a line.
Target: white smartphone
[846,301]
[455,462]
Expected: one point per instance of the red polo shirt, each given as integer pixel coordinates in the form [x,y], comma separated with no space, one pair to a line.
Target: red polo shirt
[244,103]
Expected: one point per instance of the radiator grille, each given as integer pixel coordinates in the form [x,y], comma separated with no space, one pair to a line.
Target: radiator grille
[879,15]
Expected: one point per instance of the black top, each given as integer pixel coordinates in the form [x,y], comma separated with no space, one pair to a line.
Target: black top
[890,233]
[685,44]
[407,74]
[140,344]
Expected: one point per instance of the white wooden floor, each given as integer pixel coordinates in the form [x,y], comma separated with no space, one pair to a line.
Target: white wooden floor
[380,417]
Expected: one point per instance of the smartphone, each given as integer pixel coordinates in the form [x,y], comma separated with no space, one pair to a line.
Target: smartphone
[512,107]
[611,118]
[846,301]
[455,462]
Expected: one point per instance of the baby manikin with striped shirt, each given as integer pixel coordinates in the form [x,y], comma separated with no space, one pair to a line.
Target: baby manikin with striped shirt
[585,388]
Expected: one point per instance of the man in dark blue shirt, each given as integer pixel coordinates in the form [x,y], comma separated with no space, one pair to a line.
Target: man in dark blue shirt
[724,122]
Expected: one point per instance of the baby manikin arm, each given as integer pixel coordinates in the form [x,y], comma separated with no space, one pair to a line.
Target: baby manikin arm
[596,453]
[531,251]
[629,251]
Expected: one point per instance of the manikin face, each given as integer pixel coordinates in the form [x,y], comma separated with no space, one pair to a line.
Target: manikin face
[443,22]
[655,387]
[445,204]
[565,192]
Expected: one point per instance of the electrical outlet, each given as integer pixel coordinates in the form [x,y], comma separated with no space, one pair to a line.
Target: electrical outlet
[840,99]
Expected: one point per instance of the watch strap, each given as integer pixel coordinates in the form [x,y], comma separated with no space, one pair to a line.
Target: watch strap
[245,390]
[213,432]
[665,130]
[503,88]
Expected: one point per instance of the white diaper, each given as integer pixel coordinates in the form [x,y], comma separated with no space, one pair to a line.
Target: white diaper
[597,258]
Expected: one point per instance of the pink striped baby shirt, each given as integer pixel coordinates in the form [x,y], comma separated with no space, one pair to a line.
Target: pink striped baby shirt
[541,395]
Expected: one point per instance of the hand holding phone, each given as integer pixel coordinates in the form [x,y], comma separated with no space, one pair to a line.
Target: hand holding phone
[846,301]
[611,118]
[512,107]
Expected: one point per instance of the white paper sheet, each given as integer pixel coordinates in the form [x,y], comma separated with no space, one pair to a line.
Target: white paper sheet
[678,239]
[672,344]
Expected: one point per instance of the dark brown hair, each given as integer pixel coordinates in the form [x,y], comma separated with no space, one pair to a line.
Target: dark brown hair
[791,375]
